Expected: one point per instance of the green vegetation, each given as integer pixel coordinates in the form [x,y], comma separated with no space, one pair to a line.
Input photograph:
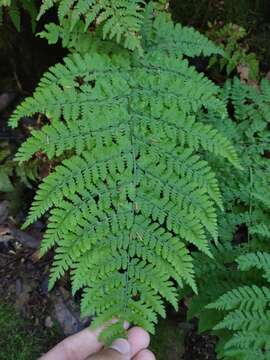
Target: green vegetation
[233,281]
[168,341]
[21,339]
[128,126]
[13,8]
[236,54]
[159,181]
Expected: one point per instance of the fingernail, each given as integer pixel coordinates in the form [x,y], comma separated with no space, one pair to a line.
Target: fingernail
[126,325]
[122,346]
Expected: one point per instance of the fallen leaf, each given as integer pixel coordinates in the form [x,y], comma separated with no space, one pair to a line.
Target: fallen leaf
[35,257]
[67,313]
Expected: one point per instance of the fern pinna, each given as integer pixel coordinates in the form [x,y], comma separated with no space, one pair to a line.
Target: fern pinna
[133,189]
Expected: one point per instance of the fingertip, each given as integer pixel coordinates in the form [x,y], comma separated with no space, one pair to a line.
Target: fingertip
[139,334]
[139,339]
[81,344]
[145,355]
[122,346]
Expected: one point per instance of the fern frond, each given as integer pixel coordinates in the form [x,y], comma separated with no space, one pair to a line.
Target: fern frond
[259,260]
[134,188]
[132,24]
[120,20]
[246,314]
[177,39]
[245,320]
[14,13]
[234,301]
[247,298]
[249,342]
[262,230]
[46,5]
[30,7]
[14,10]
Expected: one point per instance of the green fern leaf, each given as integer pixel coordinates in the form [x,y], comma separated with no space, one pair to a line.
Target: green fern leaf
[245,298]
[134,188]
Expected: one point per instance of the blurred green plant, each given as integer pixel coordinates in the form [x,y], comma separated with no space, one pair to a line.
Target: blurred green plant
[13,9]
[237,56]
[236,282]
[11,172]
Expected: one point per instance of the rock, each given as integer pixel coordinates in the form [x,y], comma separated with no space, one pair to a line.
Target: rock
[25,239]
[5,100]
[35,257]
[4,211]
[10,233]
[48,322]
[44,286]
[68,315]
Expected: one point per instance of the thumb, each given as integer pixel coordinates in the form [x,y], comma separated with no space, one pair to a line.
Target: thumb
[119,350]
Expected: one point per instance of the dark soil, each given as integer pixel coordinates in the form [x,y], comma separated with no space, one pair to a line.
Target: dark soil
[252,15]
[199,346]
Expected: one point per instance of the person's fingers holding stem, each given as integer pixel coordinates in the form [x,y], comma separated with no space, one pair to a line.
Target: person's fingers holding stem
[144,355]
[111,354]
[139,340]
[79,345]
[76,347]
[119,350]
[134,347]
[85,346]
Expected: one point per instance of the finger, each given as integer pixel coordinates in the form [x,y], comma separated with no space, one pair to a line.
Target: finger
[108,354]
[75,347]
[119,350]
[78,346]
[139,339]
[145,355]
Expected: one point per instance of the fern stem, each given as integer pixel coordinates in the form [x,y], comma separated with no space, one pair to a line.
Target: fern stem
[250,201]
[134,208]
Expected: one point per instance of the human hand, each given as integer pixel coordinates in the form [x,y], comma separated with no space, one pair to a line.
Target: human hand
[85,346]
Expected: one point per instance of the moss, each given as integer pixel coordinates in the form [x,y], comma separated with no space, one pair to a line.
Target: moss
[168,342]
[21,339]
